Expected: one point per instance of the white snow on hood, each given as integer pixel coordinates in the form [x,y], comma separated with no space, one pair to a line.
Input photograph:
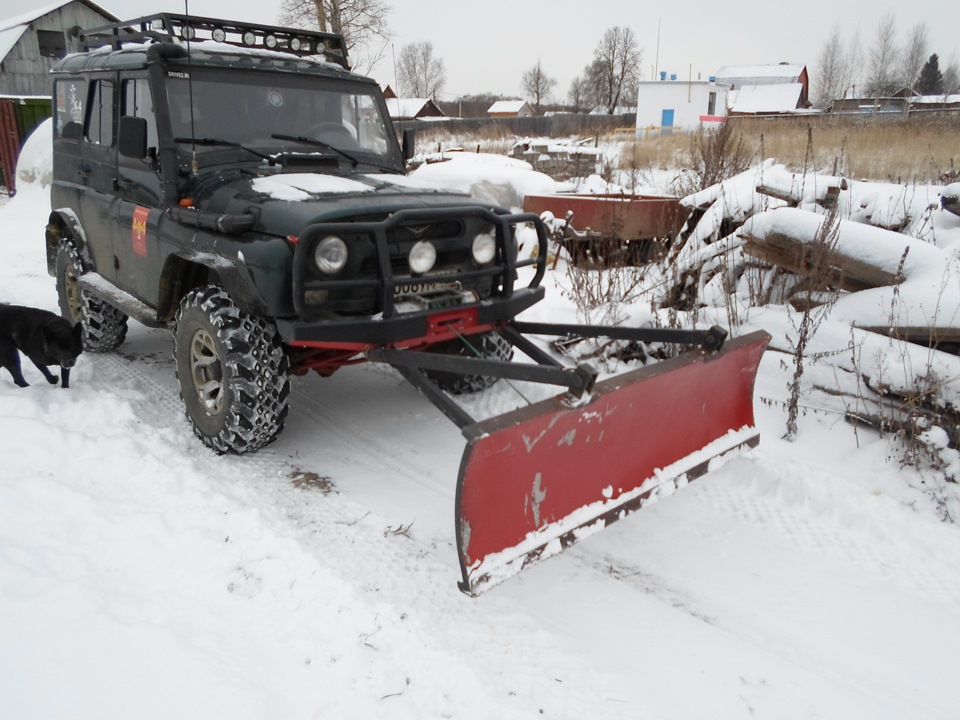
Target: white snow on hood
[304,186]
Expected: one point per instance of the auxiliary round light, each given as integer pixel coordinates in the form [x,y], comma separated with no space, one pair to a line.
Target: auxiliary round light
[484,248]
[188,33]
[330,255]
[295,44]
[219,35]
[270,41]
[422,257]
[249,38]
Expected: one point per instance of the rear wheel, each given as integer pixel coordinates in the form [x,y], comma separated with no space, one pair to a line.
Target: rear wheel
[490,346]
[232,372]
[104,327]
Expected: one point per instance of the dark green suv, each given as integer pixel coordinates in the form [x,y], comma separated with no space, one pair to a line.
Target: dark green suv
[238,184]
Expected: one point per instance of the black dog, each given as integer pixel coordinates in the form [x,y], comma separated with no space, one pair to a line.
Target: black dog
[45,338]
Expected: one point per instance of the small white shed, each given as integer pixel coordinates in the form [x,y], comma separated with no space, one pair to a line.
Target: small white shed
[680,104]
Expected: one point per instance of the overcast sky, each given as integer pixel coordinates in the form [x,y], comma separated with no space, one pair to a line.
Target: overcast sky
[488,44]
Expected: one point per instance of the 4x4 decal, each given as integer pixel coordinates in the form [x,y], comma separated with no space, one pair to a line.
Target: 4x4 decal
[139,230]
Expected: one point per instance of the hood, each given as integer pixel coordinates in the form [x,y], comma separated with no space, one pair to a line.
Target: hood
[286,202]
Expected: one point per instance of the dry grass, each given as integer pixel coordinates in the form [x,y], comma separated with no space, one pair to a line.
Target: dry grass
[923,149]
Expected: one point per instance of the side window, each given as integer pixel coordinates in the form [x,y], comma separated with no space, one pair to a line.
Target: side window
[71,101]
[100,114]
[138,101]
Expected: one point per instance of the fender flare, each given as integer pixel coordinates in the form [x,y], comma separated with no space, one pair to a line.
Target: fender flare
[232,274]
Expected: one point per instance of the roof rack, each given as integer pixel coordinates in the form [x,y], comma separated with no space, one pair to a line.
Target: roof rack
[169,27]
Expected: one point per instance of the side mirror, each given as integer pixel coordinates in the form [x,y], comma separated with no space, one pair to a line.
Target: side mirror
[132,140]
[409,145]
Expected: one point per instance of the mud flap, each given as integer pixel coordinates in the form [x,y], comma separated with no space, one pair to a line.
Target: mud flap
[535,480]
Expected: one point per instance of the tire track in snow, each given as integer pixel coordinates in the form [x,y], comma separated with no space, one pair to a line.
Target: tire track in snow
[526,669]
[798,504]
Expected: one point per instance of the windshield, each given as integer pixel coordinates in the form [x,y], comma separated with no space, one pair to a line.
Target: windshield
[250,108]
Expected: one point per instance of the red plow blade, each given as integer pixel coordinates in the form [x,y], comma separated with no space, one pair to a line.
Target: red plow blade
[535,480]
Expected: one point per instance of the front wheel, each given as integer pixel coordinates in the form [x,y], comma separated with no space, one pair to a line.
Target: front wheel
[489,346]
[232,372]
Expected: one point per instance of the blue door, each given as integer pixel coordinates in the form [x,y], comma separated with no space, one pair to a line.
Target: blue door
[666,121]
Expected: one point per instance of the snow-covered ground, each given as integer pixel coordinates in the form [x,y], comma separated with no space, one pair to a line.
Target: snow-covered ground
[143,577]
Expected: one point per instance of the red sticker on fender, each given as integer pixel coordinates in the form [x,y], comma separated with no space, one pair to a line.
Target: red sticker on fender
[139,232]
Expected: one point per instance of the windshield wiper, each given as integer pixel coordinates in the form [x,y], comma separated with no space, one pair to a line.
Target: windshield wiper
[225,143]
[327,146]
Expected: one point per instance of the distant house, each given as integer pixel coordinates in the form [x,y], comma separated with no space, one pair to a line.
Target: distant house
[389,93]
[684,105]
[510,108]
[766,89]
[899,103]
[31,43]
[412,108]
[618,110]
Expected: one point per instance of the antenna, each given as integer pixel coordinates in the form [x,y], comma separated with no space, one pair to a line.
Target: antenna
[193,133]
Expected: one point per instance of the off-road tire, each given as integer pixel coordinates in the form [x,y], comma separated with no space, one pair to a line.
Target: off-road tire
[490,346]
[232,372]
[104,327]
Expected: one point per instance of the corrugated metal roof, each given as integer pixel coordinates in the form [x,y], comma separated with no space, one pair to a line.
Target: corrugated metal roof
[765,98]
[759,74]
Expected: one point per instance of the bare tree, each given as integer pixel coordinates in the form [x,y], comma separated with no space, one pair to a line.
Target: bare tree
[419,73]
[538,85]
[831,80]
[614,72]
[363,24]
[578,93]
[951,77]
[882,79]
[914,54]
[854,65]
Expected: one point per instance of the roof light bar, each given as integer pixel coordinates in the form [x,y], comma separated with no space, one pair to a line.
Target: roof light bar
[169,27]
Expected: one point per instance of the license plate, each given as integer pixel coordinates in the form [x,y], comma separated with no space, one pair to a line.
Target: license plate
[424,288]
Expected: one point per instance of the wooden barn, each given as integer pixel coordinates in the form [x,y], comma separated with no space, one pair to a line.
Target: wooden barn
[30,44]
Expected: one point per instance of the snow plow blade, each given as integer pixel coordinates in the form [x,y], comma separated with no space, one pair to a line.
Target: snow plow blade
[535,480]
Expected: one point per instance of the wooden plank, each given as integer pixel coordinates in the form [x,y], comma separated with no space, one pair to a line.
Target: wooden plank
[822,265]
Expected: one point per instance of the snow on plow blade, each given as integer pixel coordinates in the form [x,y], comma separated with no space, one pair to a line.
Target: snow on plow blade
[535,480]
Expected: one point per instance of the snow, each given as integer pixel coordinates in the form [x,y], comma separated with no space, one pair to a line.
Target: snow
[142,576]
[304,186]
[765,98]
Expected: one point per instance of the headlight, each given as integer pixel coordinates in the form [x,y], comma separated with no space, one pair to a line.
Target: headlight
[422,257]
[330,255]
[484,248]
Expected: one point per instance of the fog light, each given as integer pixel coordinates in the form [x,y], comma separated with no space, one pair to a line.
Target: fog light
[249,38]
[188,33]
[330,255]
[484,248]
[315,297]
[295,44]
[270,41]
[422,257]
[219,35]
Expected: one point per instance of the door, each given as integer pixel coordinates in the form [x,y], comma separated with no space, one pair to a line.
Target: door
[666,122]
[139,206]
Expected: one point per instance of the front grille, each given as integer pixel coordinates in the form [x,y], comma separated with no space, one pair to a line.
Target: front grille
[425,231]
